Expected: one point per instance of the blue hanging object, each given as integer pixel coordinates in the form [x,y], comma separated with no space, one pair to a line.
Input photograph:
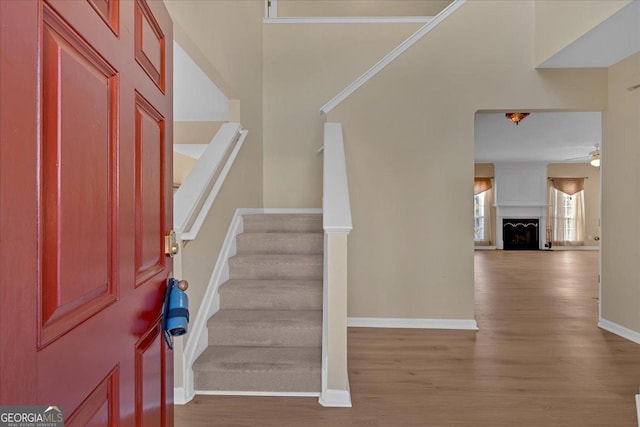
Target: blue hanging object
[175,313]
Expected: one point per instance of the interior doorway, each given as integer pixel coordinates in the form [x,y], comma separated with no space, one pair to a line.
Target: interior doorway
[537,184]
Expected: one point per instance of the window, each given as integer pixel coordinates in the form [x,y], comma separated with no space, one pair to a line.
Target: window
[478,209]
[482,205]
[567,232]
[566,216]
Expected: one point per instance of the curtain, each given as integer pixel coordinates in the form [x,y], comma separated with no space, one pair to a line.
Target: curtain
[483,187]
[488,219]
[566,211]
[480,185]
[568,186]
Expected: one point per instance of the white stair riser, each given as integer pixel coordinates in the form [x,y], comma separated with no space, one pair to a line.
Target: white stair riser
[258,381]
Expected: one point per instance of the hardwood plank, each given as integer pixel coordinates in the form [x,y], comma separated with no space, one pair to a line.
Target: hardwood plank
[538,360]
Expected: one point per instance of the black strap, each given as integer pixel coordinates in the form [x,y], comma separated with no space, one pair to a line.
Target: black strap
[179,312]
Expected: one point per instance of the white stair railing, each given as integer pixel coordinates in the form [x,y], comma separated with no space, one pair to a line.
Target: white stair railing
[194,198]
[337,226]
[191,205]
[391,56]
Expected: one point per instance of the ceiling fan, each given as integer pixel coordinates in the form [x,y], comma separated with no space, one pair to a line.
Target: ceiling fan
[593,157]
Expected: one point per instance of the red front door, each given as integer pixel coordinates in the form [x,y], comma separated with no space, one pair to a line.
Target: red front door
[85,199]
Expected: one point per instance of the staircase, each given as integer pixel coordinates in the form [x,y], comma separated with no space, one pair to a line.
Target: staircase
[267,335]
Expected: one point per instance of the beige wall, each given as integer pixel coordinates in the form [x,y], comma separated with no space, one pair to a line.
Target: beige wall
[228,36]
[560,22]
[185,41]
[336,296]
[409,138]
[360,7]
[304,67]
[194,132]
[591,194]
[621,197]
[483,170]
[182,165]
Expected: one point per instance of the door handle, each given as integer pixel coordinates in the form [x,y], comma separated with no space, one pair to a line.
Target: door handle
[171,246]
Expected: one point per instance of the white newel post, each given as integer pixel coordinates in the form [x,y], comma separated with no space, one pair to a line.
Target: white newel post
[337,226]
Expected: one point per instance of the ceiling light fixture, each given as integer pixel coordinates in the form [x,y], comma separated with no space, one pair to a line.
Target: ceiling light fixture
[516,117]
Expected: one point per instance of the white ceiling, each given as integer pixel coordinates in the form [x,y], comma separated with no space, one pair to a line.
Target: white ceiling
[560,137]
[541,137]
[606,44]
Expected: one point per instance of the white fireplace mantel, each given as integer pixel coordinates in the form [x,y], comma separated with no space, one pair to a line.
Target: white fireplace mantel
[521,192]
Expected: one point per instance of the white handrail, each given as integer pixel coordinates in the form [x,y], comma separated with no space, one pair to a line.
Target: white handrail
[335,195]
[355,85]
[195,196]
[348,20]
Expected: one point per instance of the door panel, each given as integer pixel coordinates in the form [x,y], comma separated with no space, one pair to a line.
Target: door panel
[108,11]
[149,392]
[100,408]
[85,193]
[76,170]
[150,44]
[149,195]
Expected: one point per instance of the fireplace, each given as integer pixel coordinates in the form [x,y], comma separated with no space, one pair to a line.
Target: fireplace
[520,234]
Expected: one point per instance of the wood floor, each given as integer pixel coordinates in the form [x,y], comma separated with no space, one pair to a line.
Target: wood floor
[538,360]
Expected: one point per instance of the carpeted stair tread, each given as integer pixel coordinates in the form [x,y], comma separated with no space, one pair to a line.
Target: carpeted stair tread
[231,368]
[283,223]
[247,359]
[260,318]
[271,295]
[280,243]
[293,328]
[279,266]
[267,335]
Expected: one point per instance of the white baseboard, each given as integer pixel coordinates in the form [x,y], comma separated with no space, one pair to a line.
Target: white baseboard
[379,322]
[575,248]
[180,396]
[485,248]
[336,398]
[259,393]
[619,330]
